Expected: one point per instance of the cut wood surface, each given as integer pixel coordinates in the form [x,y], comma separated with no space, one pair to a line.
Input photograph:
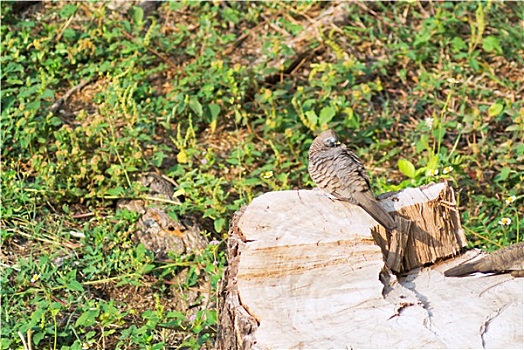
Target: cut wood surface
[304,272]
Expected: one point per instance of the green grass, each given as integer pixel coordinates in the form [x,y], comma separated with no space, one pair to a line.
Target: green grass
[197,93]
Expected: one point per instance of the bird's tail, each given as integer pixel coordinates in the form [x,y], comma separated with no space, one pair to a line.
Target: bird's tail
[375,210]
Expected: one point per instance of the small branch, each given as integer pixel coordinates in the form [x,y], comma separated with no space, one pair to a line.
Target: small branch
[58,103]
[84,215]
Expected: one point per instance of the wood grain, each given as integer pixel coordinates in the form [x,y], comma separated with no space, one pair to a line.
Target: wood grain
[304,272]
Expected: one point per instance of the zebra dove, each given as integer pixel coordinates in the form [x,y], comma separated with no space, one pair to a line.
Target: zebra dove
[506,259]
[339,172]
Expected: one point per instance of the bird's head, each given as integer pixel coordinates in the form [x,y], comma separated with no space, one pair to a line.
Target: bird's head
[328,138]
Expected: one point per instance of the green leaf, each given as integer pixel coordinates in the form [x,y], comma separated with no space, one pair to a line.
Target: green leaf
[406,167]
[70,34]
[37,337]
[5,343]
[75,285]
[12,67]
[422,38]
[491,43]
[474,64]
[176,315]
[457,44]
[68,10]
[420,171]
[495,109]
[311,118]
[137,13]
[115,191]
[195,105]
[55,121]
[48,93]
[432,161]
[219,224]
[87,319]
[33,105]
[326,115]
[503,175]
[422,144]
[145,269]
[211,316]
[214,109]
[352,120]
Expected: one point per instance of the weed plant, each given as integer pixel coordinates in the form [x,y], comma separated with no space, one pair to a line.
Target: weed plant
[199,93]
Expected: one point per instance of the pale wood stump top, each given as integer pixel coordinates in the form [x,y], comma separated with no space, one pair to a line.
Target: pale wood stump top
[305,273]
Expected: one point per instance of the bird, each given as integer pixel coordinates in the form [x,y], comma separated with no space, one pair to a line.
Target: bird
[338,171]
[510,258]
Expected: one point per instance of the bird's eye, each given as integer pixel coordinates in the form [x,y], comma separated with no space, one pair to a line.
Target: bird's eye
[331,142]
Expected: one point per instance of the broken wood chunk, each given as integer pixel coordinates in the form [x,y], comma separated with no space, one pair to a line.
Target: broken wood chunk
[508,259]
[433,232]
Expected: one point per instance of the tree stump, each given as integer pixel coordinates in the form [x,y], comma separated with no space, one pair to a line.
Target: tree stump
[308,272]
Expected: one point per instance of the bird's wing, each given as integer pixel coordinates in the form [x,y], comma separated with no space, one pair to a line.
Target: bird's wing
[351,175]
[352,184]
